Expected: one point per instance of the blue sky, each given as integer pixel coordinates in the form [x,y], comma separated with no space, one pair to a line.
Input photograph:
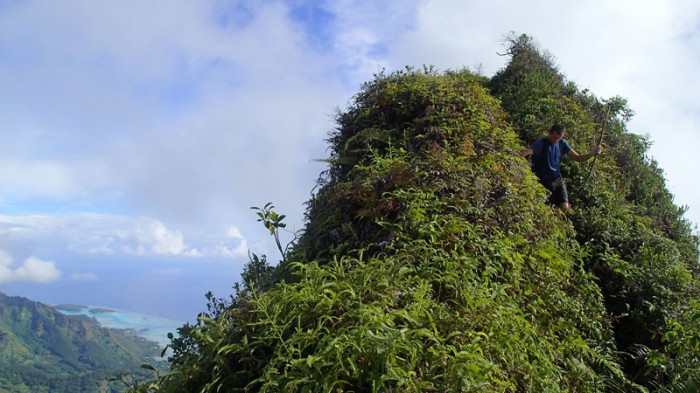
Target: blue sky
[137,134]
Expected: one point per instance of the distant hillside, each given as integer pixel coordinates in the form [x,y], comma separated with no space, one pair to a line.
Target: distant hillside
[42,350]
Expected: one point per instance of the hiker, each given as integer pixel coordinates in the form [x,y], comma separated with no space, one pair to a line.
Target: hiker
[546,158]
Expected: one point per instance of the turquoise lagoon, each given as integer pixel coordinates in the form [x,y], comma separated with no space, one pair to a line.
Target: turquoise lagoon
[150,327]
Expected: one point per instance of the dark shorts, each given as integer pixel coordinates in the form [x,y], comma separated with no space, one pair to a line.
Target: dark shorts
[558,189]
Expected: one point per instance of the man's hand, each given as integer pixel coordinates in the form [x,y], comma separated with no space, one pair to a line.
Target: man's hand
[595,150]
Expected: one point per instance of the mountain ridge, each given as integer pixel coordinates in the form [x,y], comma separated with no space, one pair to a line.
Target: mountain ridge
[431,261]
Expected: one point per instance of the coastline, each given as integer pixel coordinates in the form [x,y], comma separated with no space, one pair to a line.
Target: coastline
[150,327]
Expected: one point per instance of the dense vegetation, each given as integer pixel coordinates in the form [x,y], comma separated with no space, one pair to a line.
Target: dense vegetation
[430,261]
[42,350]
[641,249]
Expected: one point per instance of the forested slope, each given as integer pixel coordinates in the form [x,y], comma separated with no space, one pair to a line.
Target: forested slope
[42,350]
[431,262]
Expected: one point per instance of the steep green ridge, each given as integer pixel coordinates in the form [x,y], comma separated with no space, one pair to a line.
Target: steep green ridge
[637,242]
[42,350]
[430,261]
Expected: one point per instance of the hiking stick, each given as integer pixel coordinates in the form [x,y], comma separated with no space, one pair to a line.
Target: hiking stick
[600,140]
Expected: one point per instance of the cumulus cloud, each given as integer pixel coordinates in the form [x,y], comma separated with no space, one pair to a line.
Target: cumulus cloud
[233,246]
[153,237]
[91,233]
[32,269]
[35,270]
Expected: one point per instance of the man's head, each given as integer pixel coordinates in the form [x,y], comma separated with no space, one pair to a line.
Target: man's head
[556,132]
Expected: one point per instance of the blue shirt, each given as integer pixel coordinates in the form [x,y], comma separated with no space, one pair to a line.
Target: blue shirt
[546,157]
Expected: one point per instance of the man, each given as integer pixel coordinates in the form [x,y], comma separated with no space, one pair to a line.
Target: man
[546,157]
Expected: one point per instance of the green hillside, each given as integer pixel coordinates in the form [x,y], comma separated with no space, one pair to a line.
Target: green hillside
[42,350]
[431,262]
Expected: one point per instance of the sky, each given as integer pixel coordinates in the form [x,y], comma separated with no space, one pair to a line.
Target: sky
[135,136]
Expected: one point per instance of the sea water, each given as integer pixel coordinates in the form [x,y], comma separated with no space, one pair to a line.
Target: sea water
[150,327]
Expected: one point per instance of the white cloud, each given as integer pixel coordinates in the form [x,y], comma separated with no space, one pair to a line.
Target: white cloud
[153,237]
[234,246]
[234,233]
[32,270]
[91,233]
[35,270]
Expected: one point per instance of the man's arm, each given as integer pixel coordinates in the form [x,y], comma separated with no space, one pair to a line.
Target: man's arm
[530,149]
[583,157]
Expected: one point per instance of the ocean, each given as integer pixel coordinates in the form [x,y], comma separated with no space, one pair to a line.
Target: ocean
[151,327]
